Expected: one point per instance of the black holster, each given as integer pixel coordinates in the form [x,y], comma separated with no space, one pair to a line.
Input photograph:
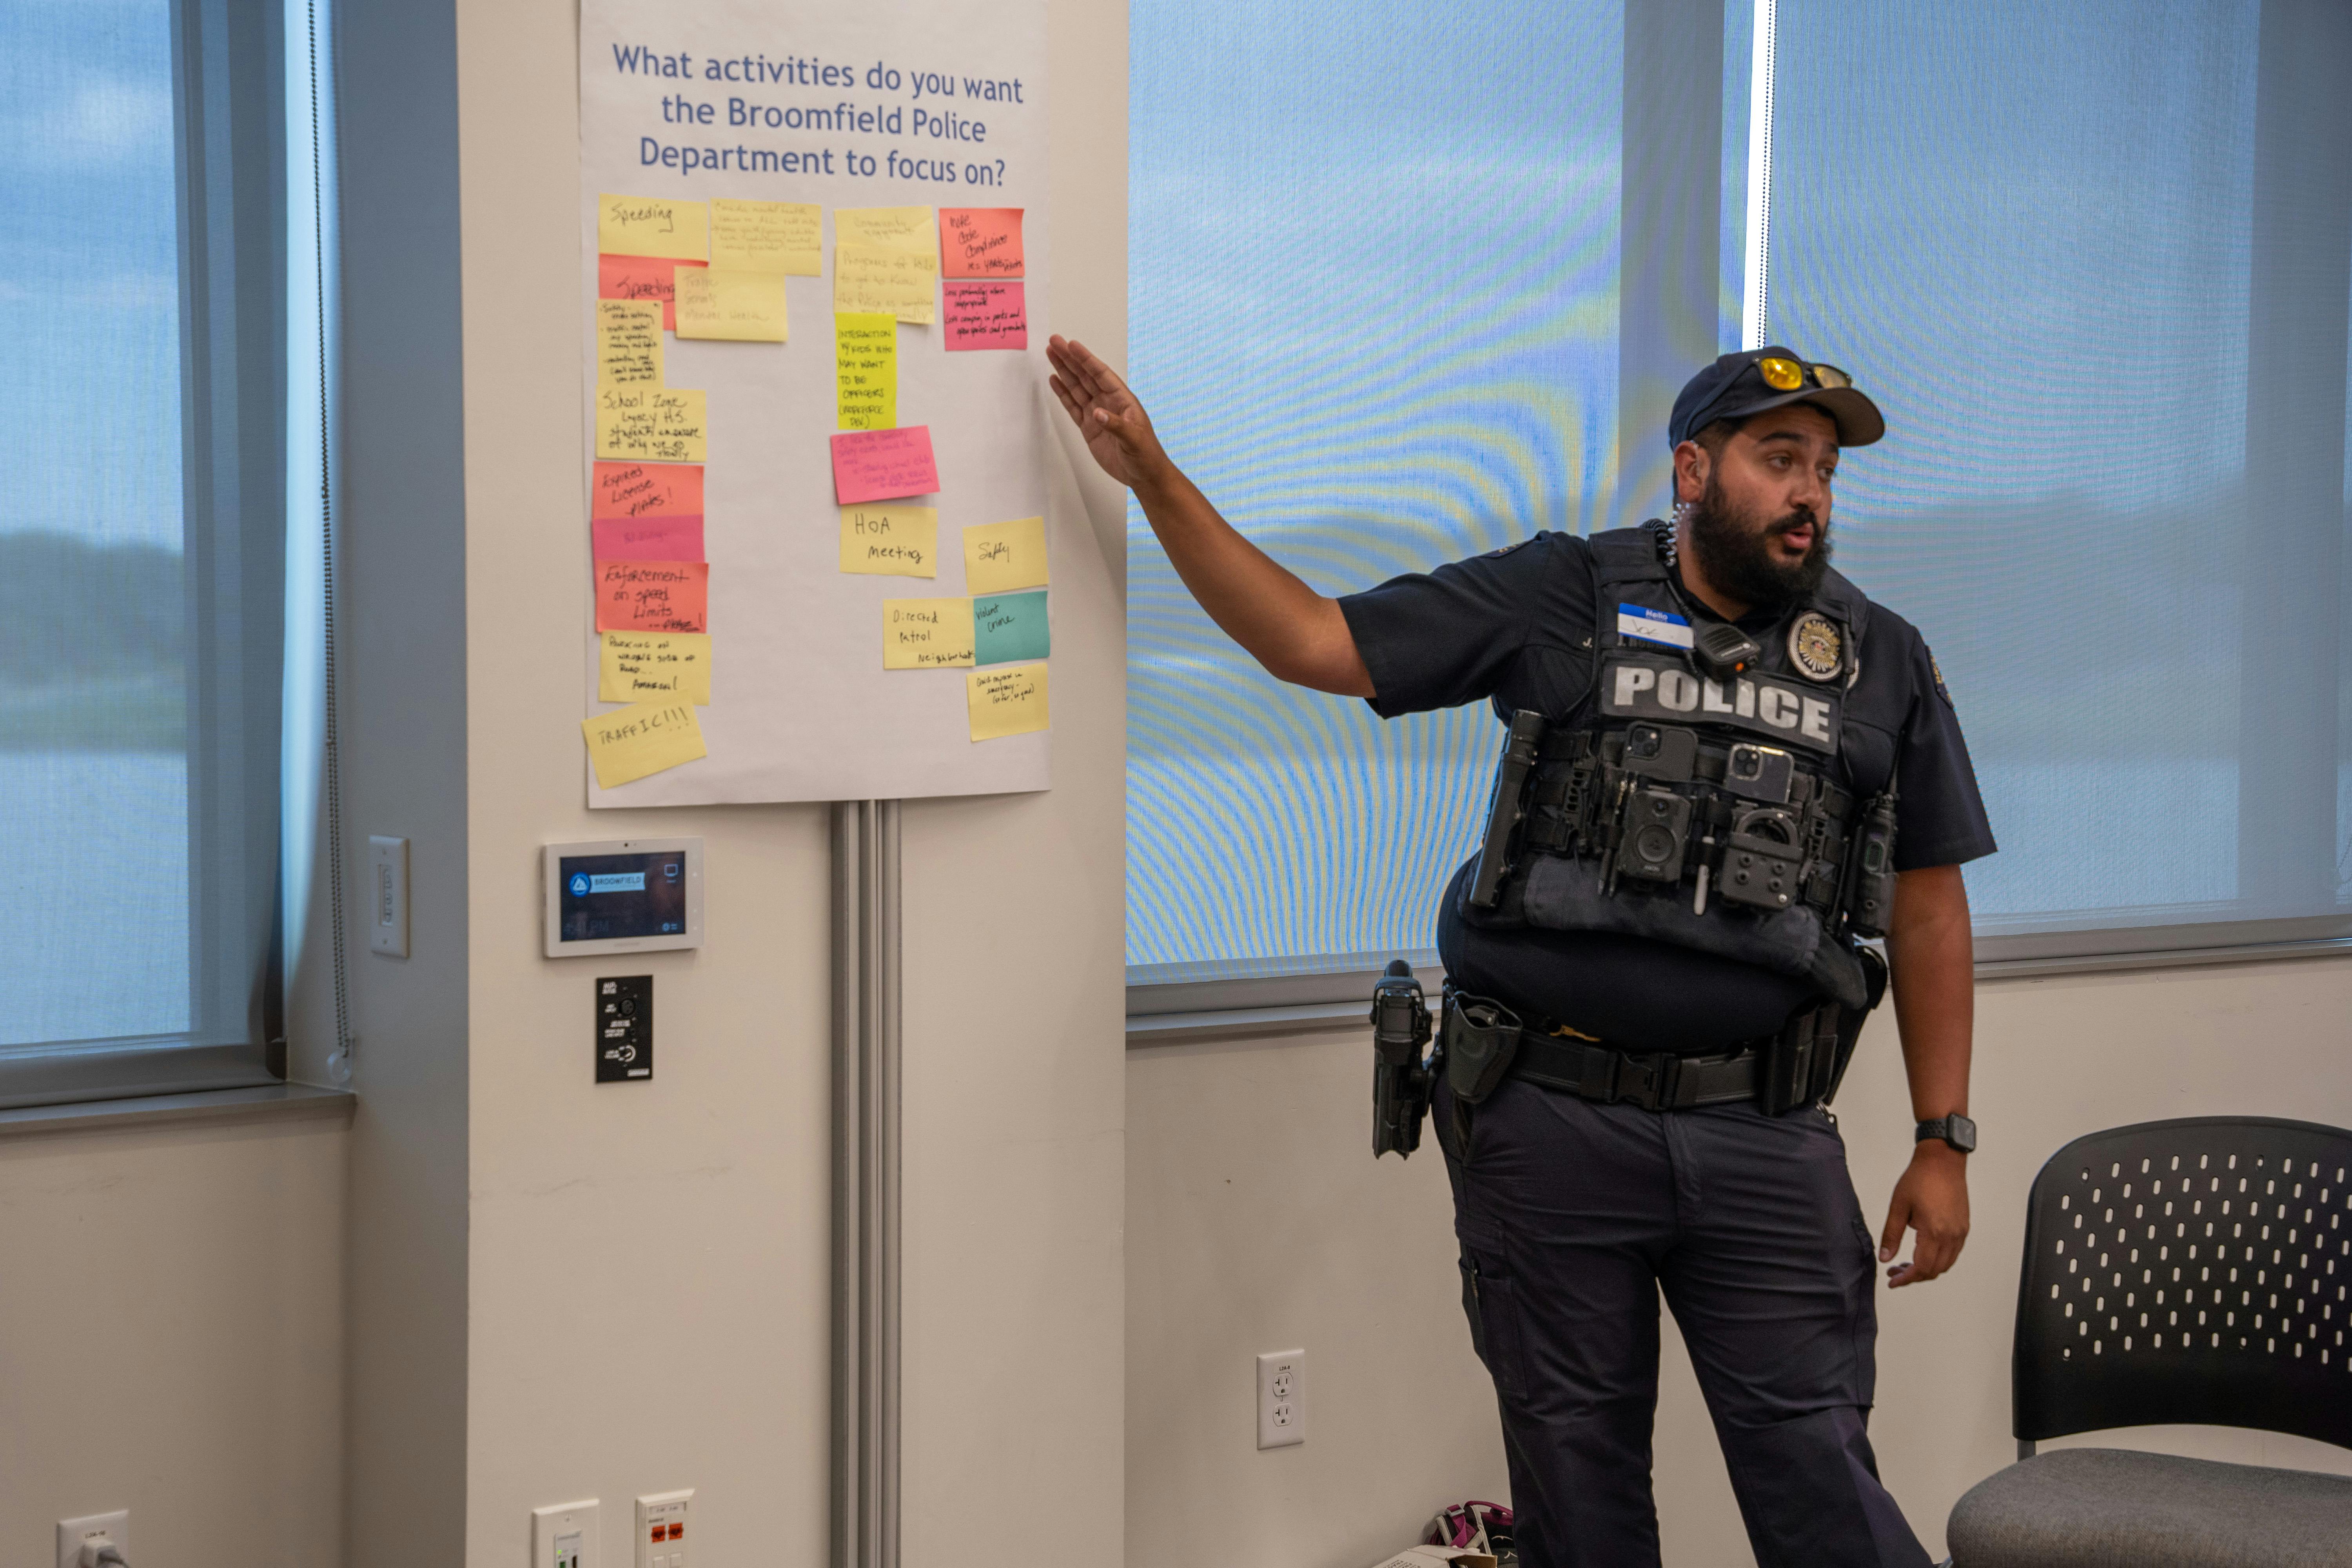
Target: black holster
[1806,1061]
[1477,1041]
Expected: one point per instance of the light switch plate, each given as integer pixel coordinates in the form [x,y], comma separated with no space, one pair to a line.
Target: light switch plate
[564,1536]
[666,1514]
[388,897]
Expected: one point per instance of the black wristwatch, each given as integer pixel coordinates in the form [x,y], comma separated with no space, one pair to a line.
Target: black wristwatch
[1955,1130]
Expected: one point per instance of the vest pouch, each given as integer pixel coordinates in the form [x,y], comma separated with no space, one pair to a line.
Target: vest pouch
[1480,1039]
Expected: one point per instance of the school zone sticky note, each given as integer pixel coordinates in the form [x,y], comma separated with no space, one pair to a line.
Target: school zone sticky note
[980,242]
[653,225]
[652,595]
[893,228]
[655,424]
[1008,629]
[865,371]
[648,538]
[766,236]
[925,634]
[638,666]
[645,738]
[870,279]
[983,316]
[883,464]
[891,540]
[647,489]
[651,278]
[740,307]
[999,557]
[628,343]
[1005,702]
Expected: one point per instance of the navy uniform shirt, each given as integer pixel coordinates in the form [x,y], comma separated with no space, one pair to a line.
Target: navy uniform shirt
[1516,628]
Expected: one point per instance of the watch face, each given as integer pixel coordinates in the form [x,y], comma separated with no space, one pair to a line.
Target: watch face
[1961,1135]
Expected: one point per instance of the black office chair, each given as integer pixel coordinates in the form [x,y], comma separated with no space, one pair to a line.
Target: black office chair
[2177,1271]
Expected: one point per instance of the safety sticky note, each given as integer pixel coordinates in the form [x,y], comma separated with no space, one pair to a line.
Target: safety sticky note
[1005,702]
[652,595]
[883,464]
[925,634]
[743,307]
[766,236]
[628,343]
[653,225]
[872,278]
[891,540]
[893,228]
[980,242]
[648,538]
[651,278]
[865,371]
[657,424]
[637,667]
[647,489]
[999,557]
[643,738]
[1008,629]
[984,316]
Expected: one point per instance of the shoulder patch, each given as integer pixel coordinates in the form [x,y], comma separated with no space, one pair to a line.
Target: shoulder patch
[1942,691]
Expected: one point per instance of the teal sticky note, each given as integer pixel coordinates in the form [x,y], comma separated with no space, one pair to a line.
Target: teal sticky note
[1009,627]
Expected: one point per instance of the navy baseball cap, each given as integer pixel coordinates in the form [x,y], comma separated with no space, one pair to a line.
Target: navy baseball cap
[1737,385]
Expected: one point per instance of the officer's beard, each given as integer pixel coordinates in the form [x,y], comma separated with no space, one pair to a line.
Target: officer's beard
[1738,552]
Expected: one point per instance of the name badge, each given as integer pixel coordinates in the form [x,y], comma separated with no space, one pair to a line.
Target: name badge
[1635,623]
[1647,687]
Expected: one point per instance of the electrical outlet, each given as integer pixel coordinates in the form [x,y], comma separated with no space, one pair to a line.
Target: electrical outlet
[388,897]
[564,1536]
[1281,1399]
[99,1529]
[661,1528]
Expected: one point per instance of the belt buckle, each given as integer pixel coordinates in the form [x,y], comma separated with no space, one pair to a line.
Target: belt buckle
[1648,1081]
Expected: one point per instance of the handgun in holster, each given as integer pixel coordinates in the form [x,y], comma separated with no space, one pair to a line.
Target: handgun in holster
[1806,1061]
[1401,1076]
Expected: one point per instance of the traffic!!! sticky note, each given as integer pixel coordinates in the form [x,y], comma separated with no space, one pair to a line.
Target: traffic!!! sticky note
[893,228]
[638,666]
[925,634]
[980,242]
[873,279]
[742,307]
[999,557]
[651,278]
[883,464]
[865,371]
[652,595]
[766,236]
[653,225]
[647,489]
[655,424]
[983,316]
[641,739]
[628,343]
[648,538]
[1006,701]
[1008,629]
[891,540]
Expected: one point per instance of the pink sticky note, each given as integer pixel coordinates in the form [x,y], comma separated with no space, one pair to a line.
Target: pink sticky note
[648,538]
[883,464]
[643,277]
[647,490]
[985,316]
[980,242]
[652,597]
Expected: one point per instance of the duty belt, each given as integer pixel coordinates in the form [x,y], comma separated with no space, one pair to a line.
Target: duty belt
[1657,1081]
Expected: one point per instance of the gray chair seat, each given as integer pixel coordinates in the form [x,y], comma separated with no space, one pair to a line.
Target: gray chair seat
[2111,1508]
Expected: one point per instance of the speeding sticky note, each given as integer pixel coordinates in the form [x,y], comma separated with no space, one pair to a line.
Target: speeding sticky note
[1005,702]
[883,464]
[1008,629]
[647,538]
[891,540]
[652,595]
[656,424]
[647,489]
[999,557]
[743,307]
[766,236]
[628,343]
[865,371]
[873,279]
[644,738]
[651,278]
[925,634]
[893,228]
[984,316]
[980,242]
[635,667]
[653,225]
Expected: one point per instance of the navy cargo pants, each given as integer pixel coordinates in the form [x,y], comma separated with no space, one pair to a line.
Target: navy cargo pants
[1572,1215]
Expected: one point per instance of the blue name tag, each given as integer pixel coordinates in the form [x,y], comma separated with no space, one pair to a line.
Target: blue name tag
[1637,624]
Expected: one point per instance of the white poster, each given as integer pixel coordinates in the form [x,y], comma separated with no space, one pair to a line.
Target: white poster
[776,522]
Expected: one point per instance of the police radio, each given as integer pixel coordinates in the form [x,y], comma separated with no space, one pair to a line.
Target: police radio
[1503,814]
[1871,903]
[1400,1078]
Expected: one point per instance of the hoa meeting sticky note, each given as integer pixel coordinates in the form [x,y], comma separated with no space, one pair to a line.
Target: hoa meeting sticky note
[890,539]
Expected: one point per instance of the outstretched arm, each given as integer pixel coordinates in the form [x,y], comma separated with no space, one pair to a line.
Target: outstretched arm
[1931,958]
[1297,634]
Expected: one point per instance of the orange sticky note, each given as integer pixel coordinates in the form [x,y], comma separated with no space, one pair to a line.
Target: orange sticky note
[648,538]
[980,242]
[647,490]
[642,278]
[652,595]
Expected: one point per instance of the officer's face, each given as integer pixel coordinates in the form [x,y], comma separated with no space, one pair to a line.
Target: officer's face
[1762,525]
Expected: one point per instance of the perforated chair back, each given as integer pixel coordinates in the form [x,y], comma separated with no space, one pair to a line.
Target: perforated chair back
[2189,1272]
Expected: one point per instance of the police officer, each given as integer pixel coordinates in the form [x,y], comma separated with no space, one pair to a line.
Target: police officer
[1726,765]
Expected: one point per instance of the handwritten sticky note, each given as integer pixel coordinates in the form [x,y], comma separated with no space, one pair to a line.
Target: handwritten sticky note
[999,557]
[652,595]
[647,489]
[985,316]
[891,540]
[743,307]
[766,236]
[637,667]
[883,464]
[1008,629]
[871,279]
[644,738]
[925,634]
[647,538]
[651,278]
[865,371]
[628,343]
[653,225]
[980,242]
[652,423]
[893,228]
[1005,702]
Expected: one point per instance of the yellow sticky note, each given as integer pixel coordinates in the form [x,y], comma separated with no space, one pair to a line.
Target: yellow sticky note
[1006,701]
[746,307]
[892,228]
[925,634]
[643,738]
[628,343]
[649,424]
[766,236]
[653,225]
[639,667]
[870,280]
[866,370]
[891,539]
[999,557]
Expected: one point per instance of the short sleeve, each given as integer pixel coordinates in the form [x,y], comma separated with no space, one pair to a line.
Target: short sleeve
[1939,814]
[1438,639]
